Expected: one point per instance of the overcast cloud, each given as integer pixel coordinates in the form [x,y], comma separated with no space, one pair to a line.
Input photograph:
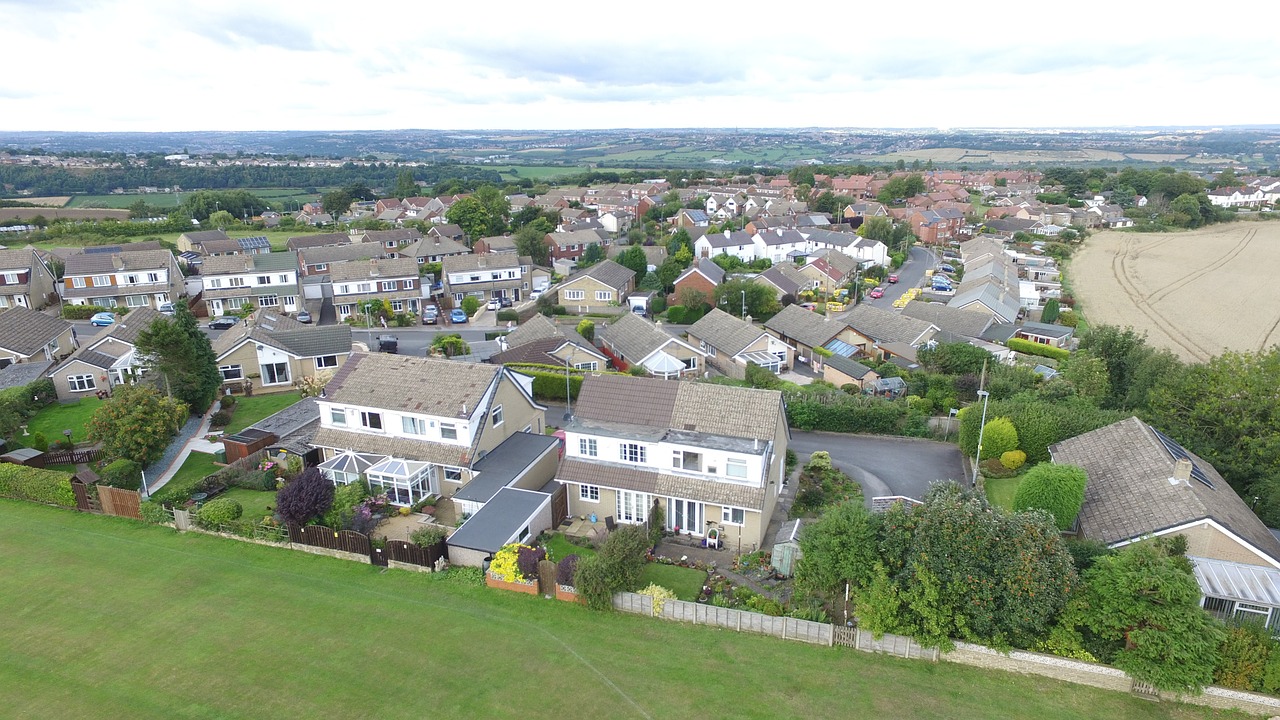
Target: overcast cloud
[156,65]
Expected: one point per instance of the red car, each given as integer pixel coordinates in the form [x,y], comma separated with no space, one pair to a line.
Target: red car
[877,293]
[893,278]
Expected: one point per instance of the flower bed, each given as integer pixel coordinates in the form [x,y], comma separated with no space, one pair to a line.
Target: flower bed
[520,586]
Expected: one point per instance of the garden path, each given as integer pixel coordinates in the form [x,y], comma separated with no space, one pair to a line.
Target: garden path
[188,437]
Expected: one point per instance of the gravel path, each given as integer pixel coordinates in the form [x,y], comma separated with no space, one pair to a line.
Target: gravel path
[185,433]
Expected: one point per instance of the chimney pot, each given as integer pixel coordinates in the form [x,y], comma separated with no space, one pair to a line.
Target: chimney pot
[1182,471]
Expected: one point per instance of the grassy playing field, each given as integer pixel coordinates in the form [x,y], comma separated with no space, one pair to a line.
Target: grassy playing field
[105,617]
[171,200]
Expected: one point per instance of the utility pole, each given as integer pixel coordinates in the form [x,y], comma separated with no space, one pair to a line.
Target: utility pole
[986,396]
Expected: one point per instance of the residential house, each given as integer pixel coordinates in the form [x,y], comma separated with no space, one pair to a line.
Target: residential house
[1058,336]
[273,353]
[1003,306]
[691,220]
[701,277]
[432,249]
[100,276]
[261,281]
[950,320]
[785,279]
[394,280]
[570,245]
[28,335]
[738,243]
[496,244]
[873,326]
[712,456]
[936,227]
[805,331]
[1142,484]
[485,277]
[1236,197]
[107,360]
[632,341]
[541,341]
[780,245]
[215,242]
[195,241]
[318,260]
[598,288]
[841,371]
[618,220]
[25,281]
[829,271]
[731,343]
[864,250]
[412,427]
[303,242]
[393,240]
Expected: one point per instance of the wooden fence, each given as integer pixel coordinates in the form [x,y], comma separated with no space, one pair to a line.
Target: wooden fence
[407,552]
[330,539]
[70,457]
[118,502]
[786,628]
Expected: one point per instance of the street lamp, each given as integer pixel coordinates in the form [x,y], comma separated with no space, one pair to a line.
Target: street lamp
[985,398]
[744,304]
[568,397]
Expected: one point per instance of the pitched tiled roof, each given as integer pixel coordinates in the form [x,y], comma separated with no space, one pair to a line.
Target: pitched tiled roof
[233,264]
[707,408]
[729,238]
[399,236]
[492,261]
[287,334]
[886,325]
[418,385]
[635,337]
[319,240]
[434,245]
[536,351]
[804,326]
[374,269]
[26,332]
[780,280]
[615,398]
[707,268]
[94,263]
[636,479]
[1129,495]
[848,366]
[204,236]
[608,272]
[16,259]
[957,321]
[406,448]
[326,254]
[729,334]
[536,327]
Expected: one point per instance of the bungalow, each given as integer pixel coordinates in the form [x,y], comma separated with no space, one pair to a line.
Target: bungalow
[691,219]
[1058,336]
[196,241]
[873,326]
[841,371]
[394,280]
[785,279]
[303,242]
[632,341]
[496,244]
[31,336]
[432,249]
[730,343]
[598,288]
[954,321]
[539,340]
[268,352]
[265,281]
[804,331]
[25,281]
[105,361]
[391,240]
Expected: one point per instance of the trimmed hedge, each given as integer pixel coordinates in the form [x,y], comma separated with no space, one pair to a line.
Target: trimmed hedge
[1034,348]
[845,413]
[82,312]
[36,485]
[123,473]
[549,386]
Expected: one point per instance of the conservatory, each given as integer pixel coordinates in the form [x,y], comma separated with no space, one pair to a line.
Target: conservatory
[404,481]
[346,468]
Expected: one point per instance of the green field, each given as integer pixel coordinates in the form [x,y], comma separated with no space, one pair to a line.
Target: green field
[171,200]
[108,618]
[538,173]
[278,238]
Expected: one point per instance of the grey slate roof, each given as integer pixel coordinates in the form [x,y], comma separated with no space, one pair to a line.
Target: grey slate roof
[848,366]
[26,332]
[504,465]
[319,240]
[957,321]
[635,337]
[729,238]
[104,263]
[236,264]
[326,254]
[374,270]
[1129,495]
[886,325]
[25,373]
[1003,304]
[16,259]
[504,516]
[434,245]
[1047,330]
[704,266]
[287,334]
[204,236]
[727,333]
[294,427]
[536,327]
[780,280]
[418,385]
[608,272]
[804,326]
[467,263]
[721,410]
[578,237]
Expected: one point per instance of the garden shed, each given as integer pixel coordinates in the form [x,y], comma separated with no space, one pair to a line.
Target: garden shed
[24,456]
[786,547]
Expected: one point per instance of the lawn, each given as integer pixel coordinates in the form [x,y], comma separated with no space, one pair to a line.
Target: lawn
[121,619]
[1000,491]
[686,583]
[254,502]
[195,468]
[73,416]
[250,410]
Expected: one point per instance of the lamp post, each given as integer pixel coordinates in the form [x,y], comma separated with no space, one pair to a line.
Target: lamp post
[568,396]
[985,398]
[744,304]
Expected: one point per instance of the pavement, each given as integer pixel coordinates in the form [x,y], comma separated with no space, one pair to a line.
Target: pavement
[196,441]
[885,465]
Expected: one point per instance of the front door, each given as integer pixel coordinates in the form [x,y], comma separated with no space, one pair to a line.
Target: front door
[686,515]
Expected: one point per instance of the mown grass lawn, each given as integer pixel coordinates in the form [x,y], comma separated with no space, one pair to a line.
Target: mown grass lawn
[1000,491]
[122,619]
[250,410]
[254,502]
[686,583]
[73,416]
[195,468]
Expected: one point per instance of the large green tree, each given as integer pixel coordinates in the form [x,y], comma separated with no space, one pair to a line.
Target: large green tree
[634,259]
[1133,366]
[955,358]
[761,302]
[877,228]
[1055,489]
[841,547]
[336,202]
[136,423]
[405,185]
[180,353]
[531,240]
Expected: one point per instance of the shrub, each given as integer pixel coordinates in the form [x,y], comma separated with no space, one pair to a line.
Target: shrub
[220,419]
[307,497]
[657,304]
[566,569]
[39,442]
[81,312]
[1050,311]
[506,563]
[661,595]
[470,305]
[1057,489]
[36,485]
[587,329]
[591,582]
[122,473]
[1013,459]
[527,559]
[229,401]
[993,468]
[508,316]
[1034,348]
[624,555]
[998,438]
[675,314]
[1243,656]
[428,536]
[219,511]
[155,513]
[657,524]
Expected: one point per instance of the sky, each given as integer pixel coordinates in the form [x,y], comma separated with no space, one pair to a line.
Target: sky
[159,65]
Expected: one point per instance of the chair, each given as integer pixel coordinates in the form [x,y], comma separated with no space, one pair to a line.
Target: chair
[610,524]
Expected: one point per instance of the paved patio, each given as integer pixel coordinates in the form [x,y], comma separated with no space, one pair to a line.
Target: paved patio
[400,527]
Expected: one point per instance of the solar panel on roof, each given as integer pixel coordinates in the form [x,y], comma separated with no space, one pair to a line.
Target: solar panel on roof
[1177,452]
[99,250]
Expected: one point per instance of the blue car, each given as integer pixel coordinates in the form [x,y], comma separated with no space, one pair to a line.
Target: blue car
[102,319]
[457,316]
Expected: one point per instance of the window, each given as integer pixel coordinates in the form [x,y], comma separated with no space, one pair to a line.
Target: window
[81,383]
[130,279]
[263,280]
[631,452]
[453,474]
[632,507]
[327,361]
[364,287]
[338,416]
[604,295]
[231,372]
[497,416]
[397,306]
[101,280]
[735,468]
[691,363]
[345,310]
[282,279]
[710,350]
[134,301]
[10,278]
[388,285]
[448,431]
[733,516]
[275,373]
[574,294]
[590,493]
[235,282]
[524,533]
[78,282]
[214,282]
[588,447]
[592,366]
[321,267]
[371,420]
[413,426]
[153,277]
[475,278]
[269,301]
[235,303]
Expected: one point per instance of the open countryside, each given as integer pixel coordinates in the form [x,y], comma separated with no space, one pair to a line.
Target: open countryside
[1195,293]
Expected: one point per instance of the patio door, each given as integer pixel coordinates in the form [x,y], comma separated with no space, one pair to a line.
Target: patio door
[686,515]
[632,507]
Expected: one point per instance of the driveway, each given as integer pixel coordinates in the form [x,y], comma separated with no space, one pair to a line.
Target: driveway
[910,275]
[885,465]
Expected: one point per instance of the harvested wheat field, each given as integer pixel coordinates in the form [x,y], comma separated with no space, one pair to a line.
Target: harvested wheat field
[1196,292]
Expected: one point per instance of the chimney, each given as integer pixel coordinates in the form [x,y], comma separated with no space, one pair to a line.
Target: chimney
[1182,471]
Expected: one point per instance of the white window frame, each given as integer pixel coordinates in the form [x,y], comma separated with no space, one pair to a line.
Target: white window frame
[387,285]
[412,425]
[496,416]
[136,301]
[588,447]
[235,282]
[371,420]
[728,513]
[153,277]
[731,464]
[101,280]
[592,366]
[262,280]
[338,416]
[79,282]
[326,361]
[283,279]
[82,383]
[632,453]
[269,301]
[231,372]
[604,296]
[287,377]
[11,278]
[589,493]
[448,431]
[575,294]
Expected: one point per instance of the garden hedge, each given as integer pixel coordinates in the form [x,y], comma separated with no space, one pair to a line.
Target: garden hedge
[36,485]
[1034,348]
[844,413]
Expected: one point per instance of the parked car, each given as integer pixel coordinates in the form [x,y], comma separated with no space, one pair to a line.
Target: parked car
[457,316]
[223,323]
[304,316]
[102,319]
[535,294]
[167,309]
[945,267]
[430,315]
[388,344]
[893,278]
[493,304]
[877,293]
[506,301]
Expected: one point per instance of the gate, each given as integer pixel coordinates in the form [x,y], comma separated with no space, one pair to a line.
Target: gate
[547,577]
[84,497]
[559,505]
[118,502]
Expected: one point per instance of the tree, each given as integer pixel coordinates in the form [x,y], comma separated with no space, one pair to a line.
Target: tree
[998,438]
[405,185]
[760,299]
[451,345]
[308,496]
[955,358]
[877,228]
[1144,605]
[591,255]
[136,423]
[472,216]
[634,259]
[1056,489]
[222,220]
[336,202]
[531,240]
[1088,375]
[841,547]
[901,187]
[587,329]
[1049,313]
[182,354]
